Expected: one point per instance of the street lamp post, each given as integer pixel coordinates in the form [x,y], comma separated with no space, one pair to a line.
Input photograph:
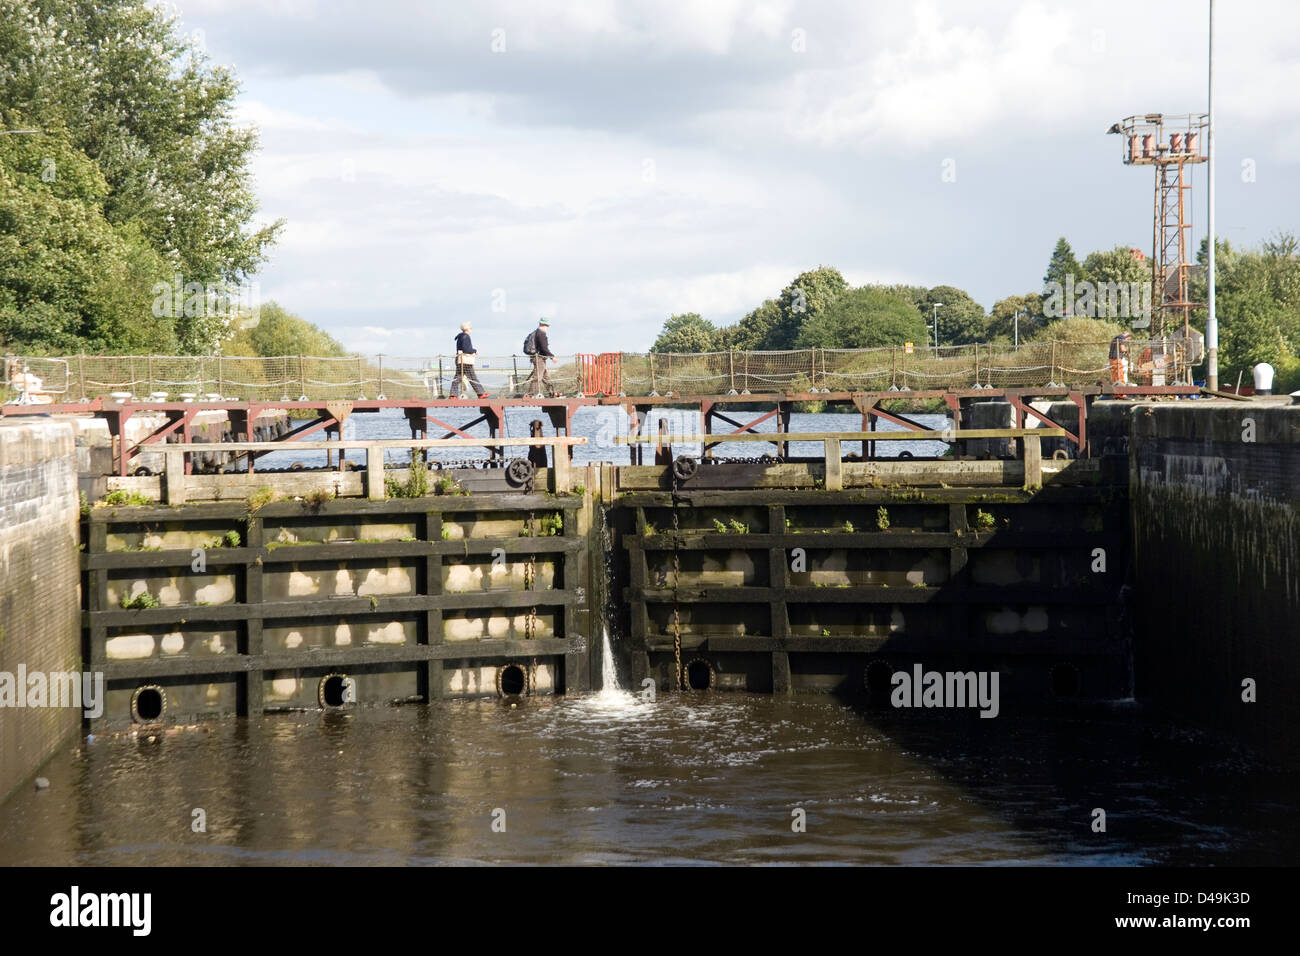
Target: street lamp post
[936,328]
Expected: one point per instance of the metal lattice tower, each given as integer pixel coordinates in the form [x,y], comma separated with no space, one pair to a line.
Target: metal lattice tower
[1146,144]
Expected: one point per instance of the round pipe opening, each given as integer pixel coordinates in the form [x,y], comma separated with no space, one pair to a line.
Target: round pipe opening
[699,674]
[512,680]
[148,703]
[1065,680]
[334,691]
[876,679]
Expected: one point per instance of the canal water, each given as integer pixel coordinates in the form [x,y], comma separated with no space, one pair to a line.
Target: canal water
[689,778]
[610,777]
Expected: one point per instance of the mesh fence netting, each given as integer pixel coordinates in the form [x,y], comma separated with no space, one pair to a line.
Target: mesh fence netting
[289,378]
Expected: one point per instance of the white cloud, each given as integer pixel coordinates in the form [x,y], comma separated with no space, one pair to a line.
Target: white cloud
[418,172]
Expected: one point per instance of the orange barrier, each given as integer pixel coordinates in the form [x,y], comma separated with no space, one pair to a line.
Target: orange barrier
[601,374]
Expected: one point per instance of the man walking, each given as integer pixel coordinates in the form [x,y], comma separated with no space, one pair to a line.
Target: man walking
[1119,358]
[539,349]
[465,353]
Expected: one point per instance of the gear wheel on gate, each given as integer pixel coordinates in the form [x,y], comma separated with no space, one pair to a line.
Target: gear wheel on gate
[520,471]
[685,467]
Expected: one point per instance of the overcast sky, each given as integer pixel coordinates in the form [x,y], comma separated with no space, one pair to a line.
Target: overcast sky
[607,164]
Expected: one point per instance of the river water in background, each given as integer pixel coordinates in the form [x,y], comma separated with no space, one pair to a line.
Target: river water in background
[695,777]
[600,425]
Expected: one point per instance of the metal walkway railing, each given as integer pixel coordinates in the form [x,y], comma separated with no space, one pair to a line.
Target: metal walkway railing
[75,378]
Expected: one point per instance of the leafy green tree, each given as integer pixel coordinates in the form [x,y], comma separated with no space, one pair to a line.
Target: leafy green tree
[961,319]
[70,281]
[866,317]
[141,99]
[1075,329]
[803,299]
[753,331]
[688,332]
[1257,301]
[1128,273]
[280,332]
[1002,320]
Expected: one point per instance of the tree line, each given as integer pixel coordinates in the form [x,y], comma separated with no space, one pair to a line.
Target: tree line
[1257,303]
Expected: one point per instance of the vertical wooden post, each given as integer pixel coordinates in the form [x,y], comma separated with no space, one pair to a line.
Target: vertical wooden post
[562,459]
[1033,462]
[249,689]
[431,635]
[834,466]
[959,608]
[375,473]
[174,476]
[778,582]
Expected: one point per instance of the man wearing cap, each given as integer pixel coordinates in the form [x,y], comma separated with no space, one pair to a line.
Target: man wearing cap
[1119,358]
[540,382]
[465,353]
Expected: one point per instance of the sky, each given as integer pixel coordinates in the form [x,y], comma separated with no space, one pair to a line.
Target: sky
[608,164]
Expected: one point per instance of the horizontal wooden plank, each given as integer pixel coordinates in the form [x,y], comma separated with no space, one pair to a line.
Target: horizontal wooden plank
[772,437]
[729,498]
[365,443]
[333,551]
[332,657]
[881,540]
[328,607]
[338,507]
[1019,644]
[876,594]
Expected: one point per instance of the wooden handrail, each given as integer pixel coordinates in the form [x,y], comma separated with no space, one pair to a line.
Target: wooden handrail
[949,434]
[188,447]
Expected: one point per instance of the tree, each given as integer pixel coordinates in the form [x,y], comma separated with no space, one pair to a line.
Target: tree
[1257,294]
[1062,264]
[804,298]
[688,332]
[139,98]
[1079,329]
[753,331]
[1002,323]
[961,319]
[1119,269]
[280,332]
[862,318]
[70,281]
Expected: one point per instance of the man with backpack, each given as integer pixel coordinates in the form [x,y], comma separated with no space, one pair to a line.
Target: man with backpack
[538,348]
[465,353]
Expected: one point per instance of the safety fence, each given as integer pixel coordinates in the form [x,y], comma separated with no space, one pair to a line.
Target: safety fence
[288,378]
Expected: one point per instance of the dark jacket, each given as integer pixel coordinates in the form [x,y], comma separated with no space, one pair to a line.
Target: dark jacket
[463,344]
[1118,347]
[543,346]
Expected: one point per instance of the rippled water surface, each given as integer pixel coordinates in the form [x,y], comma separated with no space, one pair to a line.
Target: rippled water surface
[688,778]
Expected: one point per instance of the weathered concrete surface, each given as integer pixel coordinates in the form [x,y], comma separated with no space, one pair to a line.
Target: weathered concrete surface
[1215,491]
[40,602]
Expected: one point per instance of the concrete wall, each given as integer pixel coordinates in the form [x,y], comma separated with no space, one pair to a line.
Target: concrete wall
[40,601]
[1216,528]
